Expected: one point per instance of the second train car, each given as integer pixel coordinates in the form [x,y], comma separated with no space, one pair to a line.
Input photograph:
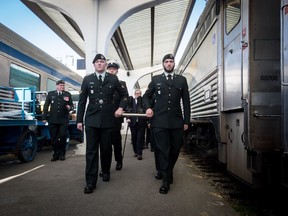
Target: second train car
[24,65]
[233,63]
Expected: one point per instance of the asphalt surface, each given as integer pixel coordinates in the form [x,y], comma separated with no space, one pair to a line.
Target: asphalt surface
[44,188]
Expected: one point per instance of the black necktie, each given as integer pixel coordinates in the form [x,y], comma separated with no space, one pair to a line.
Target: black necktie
[169,79]
[100,79]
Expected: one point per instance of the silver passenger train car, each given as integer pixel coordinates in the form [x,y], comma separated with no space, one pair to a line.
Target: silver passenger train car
[24,65]
[235,63]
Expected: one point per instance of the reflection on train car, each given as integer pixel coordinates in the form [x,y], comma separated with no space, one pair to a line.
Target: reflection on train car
[233,64]
[24,65]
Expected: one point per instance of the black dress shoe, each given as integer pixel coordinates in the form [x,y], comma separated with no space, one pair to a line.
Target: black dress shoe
[62,158]
[139,157]
[101,174]
[89,188]
[119,166]
[164,188]
[106,177]
[55,159]
[158,176]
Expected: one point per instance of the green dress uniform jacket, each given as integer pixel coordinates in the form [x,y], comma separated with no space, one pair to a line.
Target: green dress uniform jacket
[100,110]
[58,113]
[167,102]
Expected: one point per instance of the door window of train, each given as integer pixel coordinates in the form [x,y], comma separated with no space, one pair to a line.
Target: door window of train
[22,77]
[232,14]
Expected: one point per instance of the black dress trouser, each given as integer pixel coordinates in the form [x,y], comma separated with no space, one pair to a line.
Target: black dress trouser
[168,143]
[95,138]
[58,133]
[117,142]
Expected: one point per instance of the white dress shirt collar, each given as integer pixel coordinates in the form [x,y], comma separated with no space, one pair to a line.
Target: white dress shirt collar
[102,74]
[166,74]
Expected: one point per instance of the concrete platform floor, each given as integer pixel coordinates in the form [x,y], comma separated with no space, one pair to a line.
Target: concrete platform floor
[56,188]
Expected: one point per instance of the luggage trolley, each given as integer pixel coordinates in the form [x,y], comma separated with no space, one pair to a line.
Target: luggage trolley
[17,123]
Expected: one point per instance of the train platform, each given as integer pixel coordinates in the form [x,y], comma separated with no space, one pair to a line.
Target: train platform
[56,188]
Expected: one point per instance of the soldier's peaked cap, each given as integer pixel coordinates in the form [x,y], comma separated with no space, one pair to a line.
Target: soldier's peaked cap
[113,64]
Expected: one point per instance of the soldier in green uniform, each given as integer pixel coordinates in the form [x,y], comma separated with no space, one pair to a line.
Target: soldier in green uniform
[98,89]
[167,121]
[60,103]
[112,68]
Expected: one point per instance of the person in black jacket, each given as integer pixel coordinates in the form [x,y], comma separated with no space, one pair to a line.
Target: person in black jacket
[112,68]
[167,120]
[98,88]
[137,124]
[60,103]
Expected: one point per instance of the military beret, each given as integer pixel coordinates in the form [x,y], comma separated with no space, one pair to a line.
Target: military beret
[113,64]
[168,56]
[60,82]
[98,56]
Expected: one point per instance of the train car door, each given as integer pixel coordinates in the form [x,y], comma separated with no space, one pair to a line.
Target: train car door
[251,84]
[234,28]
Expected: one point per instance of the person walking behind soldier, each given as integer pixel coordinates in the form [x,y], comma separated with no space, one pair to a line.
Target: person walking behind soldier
[167,120]
[60,103]
[98,88]
[112,68]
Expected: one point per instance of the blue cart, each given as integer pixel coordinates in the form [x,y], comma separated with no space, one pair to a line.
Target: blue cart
[17,123]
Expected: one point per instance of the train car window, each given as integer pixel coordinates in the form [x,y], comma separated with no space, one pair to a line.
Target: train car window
[21,77]
[51,84]
[232,14]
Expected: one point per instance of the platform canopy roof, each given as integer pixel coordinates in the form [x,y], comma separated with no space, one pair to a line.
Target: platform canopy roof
[140,41]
